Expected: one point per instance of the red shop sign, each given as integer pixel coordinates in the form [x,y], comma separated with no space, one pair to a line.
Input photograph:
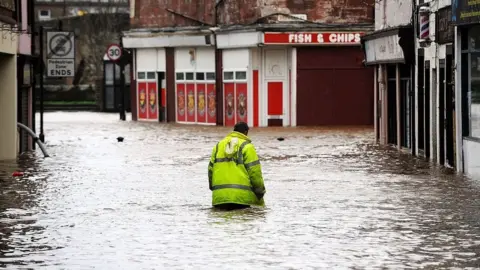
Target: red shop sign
[312,38]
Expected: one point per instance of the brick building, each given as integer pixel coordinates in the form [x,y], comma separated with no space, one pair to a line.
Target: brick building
[286,63]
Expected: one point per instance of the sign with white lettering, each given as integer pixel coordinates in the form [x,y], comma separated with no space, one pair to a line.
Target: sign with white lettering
[61,67]
[60,54]
[384,50]
[313,38]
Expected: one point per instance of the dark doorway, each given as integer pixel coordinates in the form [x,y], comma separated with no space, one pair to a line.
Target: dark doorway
[441,112]
[162,102]
[379,106]
[449,112]
[421,107]
[392,104]
[427,109]
[405,103]
[113,92]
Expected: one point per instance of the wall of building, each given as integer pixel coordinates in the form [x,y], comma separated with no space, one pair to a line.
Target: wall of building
[8,104]
[391,13]
[149,14]
[471,152]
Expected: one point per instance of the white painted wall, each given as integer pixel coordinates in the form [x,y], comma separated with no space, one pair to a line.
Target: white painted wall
[471,150]
[146,60]
[182,59]
[390,13]
[256,58]
[235,59]
[205,59]
[161,60]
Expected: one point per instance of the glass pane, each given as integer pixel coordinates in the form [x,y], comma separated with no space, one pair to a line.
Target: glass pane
[228,75]
[211,76]
[474,38]
[475,95]
[127,74]
[180,76]
[189,76]
[141,76]
[240,75]
[109,73]
[117,73]
[150,75]
[200,76]
[110,97]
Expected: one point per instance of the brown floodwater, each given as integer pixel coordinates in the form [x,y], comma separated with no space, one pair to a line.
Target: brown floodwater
[335,200]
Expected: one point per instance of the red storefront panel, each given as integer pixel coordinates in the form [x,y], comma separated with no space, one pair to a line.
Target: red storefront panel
[229,106]
[181,104]
[152,101]
[212,105]
[142,100]
[275,98]
[190,102]
[164,97]
[201,108]
[241,102]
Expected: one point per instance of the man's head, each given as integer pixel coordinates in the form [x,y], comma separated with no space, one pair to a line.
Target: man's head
[241,127]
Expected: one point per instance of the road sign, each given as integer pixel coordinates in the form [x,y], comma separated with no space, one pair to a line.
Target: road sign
[60,54]
[114,52]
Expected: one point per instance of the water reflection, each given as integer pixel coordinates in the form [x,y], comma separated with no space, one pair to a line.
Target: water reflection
[334,201]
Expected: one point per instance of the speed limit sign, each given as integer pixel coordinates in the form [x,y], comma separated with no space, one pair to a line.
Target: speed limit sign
[114,52]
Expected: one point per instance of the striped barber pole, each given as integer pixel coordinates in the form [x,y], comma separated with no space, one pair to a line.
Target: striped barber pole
[424,25]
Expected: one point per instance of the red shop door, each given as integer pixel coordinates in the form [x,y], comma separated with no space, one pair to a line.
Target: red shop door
[142,101]
[190,102]
[181,104]
[212,105]
[152,101]
[235,103]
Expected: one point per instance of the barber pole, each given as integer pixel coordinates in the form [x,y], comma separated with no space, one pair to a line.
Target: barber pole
[424,16]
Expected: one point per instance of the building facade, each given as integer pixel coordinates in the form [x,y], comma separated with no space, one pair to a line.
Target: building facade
[281,65]
[390,50]
[8,77]
[466,95]
[16,97]
[48,9]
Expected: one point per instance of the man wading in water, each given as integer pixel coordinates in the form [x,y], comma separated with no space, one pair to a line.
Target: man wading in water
[234,172]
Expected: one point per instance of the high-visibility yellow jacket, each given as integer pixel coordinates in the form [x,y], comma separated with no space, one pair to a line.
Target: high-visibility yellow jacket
[235,173]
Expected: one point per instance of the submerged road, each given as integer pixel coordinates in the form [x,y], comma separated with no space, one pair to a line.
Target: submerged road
[334,201]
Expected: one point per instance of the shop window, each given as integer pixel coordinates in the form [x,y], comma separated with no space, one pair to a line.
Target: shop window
[210,76]
[240,75]
[150,75]
[228,76]
[189,76]
[200,76]
[180,76]
[474,79]
[140,75]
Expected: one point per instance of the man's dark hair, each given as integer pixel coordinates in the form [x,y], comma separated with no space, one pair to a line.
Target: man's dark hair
[241,127]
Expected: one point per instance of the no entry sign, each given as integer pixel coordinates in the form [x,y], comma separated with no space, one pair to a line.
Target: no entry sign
[114,52]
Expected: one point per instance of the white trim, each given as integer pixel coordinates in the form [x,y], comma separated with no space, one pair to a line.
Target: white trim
[250,90]
[458,100]
[285,87]
[293,83]
[167,41]
[238,40]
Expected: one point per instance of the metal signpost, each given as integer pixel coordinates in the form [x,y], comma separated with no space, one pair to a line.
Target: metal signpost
[60,54]
[114,54]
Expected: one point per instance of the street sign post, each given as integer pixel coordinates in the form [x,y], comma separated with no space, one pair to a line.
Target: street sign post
[60,54]
[114,52]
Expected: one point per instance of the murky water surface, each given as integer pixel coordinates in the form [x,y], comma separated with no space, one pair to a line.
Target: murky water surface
[334,201]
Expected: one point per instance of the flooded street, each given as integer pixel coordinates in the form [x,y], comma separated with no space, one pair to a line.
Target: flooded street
[334,201]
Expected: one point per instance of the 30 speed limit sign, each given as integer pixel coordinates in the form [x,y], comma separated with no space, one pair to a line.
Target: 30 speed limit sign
[114,52]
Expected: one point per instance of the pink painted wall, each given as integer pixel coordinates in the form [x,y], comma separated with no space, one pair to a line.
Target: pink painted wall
[24,40]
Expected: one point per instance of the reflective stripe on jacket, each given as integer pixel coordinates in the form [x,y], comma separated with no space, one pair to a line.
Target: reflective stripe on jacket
[235,173]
